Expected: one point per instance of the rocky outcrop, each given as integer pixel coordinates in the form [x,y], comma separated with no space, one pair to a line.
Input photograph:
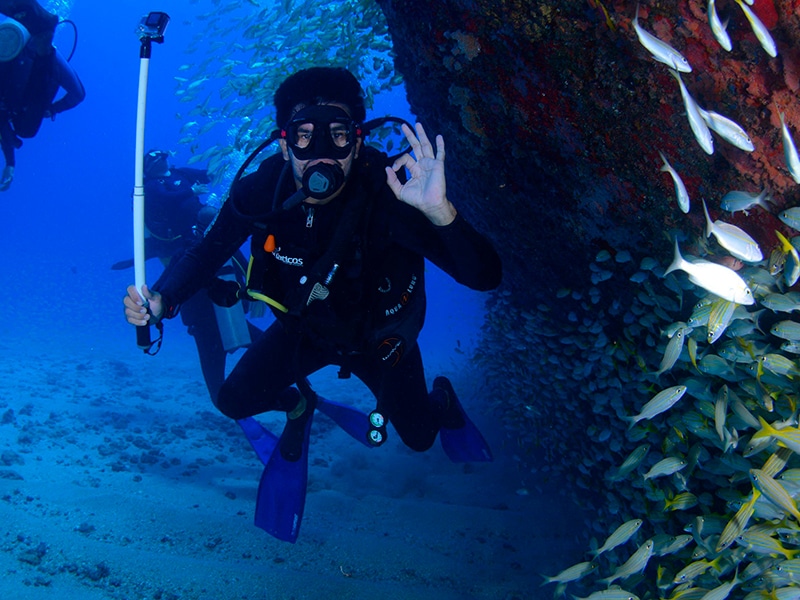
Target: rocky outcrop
[554,114]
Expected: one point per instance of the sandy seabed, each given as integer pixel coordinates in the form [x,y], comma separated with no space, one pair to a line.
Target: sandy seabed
[118,480]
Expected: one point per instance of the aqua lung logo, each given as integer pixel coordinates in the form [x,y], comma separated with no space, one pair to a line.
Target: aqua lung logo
[287,260]
[404,298]
[390,350]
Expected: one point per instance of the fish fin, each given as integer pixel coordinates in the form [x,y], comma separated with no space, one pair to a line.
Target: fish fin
[786,245]
[665,167]
[709,224]
[677,261]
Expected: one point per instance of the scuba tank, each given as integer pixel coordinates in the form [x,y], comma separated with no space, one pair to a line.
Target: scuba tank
[13,37]
[231,321]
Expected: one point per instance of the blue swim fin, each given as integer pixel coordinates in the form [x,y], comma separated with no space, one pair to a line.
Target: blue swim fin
[282,492]
[462,442]
[262,441]
[465,444]
[350,419]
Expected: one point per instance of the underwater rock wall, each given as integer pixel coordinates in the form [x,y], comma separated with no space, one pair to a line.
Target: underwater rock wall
[645,397]
[554,114]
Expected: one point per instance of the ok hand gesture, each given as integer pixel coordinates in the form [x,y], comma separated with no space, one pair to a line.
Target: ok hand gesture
[425,188]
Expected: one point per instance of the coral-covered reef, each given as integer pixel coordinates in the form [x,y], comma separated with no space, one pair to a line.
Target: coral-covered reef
[554,114]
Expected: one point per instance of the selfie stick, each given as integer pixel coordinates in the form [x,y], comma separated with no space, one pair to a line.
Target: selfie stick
[151,29]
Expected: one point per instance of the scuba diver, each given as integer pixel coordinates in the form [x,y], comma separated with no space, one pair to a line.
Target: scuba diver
[176,219]
[32,71]
[338,239]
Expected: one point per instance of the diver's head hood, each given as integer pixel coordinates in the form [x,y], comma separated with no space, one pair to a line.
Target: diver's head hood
[319,85]
[155,163]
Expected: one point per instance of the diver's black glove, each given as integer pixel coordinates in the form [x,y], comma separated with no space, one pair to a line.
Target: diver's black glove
[224,292]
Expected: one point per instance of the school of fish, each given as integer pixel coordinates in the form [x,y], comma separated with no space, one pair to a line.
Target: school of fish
[668,392]
[229,92]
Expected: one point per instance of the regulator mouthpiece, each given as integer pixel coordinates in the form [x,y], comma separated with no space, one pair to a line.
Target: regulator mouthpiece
[322,180]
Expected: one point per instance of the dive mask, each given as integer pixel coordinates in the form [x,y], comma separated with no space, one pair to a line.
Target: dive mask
[321,131]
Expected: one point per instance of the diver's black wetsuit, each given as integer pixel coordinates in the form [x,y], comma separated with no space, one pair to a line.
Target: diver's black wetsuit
[369,321]
[171,215]
[28,86]
[171,209]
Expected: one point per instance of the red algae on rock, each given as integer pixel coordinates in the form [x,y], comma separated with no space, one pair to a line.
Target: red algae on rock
[765,11]
[549,99]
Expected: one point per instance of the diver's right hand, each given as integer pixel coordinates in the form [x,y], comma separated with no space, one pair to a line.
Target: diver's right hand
[135,310]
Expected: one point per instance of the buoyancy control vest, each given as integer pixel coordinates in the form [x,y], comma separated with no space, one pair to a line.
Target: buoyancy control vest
[354,293]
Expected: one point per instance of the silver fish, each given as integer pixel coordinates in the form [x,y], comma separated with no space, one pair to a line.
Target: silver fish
[666,466]
[699,128]
[672,351]
[728,130]
[762,33]
[680,189]
[717,28]
[737,524]
[660,403]
[719,318]
[779,364]
[717,279]
[791,217]
[572,573]
[692,571]
[788,302]
[790,151]
[774,492]
[787,330]
[791,268]
[661,51]
[635,564]
[620,535]
[741,411]
[633,460]
[734,240]
[736,200]
[676,543]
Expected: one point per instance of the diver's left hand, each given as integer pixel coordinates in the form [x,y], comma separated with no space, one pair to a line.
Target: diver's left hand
[425,189]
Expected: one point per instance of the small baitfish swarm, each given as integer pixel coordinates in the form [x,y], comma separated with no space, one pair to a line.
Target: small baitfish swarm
[668,394]
[685,406]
